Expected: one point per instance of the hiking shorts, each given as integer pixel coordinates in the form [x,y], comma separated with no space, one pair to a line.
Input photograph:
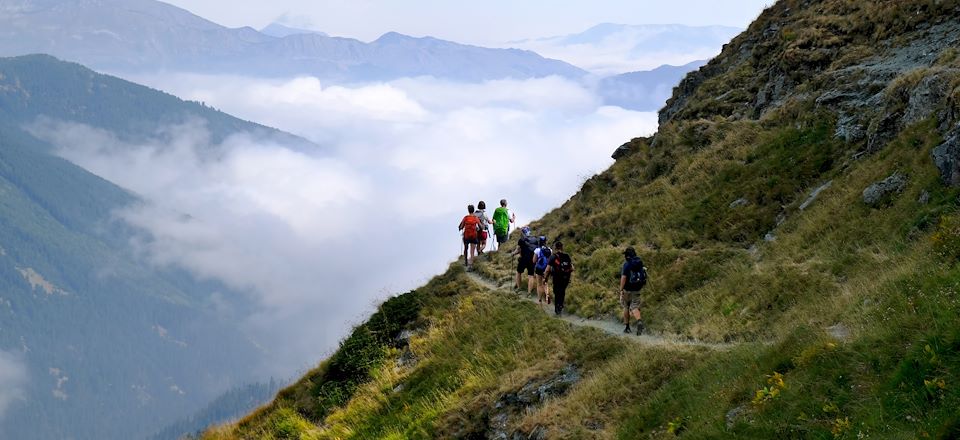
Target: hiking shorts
[630,300]
[525,264]
[502,238]
[539,271]
[470,240]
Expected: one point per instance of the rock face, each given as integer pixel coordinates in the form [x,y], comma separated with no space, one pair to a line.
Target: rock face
[873,84]
[946,156]
[882,190]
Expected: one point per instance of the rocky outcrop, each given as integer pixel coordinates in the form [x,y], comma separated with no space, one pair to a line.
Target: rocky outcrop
[884,189]
[498,421]
[946,156]
[875,86]
[629,148]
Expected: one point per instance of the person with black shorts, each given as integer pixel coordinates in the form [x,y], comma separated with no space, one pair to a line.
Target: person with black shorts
[525,247]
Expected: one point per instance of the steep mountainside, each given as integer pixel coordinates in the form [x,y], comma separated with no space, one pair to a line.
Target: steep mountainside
[132,36]
[114,347]
[36,86]
[798,214]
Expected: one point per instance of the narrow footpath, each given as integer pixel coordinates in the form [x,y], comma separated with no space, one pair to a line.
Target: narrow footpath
[610,326]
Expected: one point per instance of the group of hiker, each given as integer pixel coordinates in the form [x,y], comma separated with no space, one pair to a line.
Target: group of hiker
[542,262]
[475,227]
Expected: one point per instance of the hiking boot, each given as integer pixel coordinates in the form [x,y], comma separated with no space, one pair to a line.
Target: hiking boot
[640,327]
[626,329]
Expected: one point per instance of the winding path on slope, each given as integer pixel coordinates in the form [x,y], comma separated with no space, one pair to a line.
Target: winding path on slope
[609,326]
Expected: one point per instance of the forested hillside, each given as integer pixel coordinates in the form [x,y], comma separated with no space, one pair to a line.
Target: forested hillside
[798,213]
[34,86]
[114,345]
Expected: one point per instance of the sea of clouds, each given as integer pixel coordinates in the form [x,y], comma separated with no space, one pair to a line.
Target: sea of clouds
[317,238]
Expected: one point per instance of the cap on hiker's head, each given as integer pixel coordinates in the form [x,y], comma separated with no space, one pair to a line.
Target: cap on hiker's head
[630,252]
[525,231]
[543,239]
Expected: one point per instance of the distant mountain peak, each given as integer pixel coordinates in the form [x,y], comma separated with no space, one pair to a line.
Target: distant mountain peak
[391,37]
[280,30]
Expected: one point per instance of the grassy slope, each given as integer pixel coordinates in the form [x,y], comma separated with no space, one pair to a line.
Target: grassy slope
[887,275]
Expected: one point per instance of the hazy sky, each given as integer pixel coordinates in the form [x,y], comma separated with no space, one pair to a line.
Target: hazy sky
[472,22]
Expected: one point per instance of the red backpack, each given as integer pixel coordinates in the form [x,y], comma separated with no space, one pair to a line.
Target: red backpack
[471,224]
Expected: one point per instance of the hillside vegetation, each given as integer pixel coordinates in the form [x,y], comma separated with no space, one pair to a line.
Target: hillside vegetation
[799,202]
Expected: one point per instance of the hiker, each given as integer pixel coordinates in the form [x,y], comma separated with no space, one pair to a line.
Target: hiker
[525,248]
[541,258]
[561,268]
[485,222]
[502,219]
[633,276]
[470,225]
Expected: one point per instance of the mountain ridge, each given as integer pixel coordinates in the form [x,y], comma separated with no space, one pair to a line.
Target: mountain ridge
[148,35]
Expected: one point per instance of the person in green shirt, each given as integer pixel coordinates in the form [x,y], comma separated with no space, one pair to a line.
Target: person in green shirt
[501,222]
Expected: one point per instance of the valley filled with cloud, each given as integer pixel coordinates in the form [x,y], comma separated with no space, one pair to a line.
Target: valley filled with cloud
[317,237]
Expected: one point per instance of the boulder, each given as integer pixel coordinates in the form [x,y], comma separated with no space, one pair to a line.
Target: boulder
[622,151]
[882,190]
[739,202]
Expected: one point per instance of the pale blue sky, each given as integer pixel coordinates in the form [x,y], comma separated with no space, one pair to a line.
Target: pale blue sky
[479,22]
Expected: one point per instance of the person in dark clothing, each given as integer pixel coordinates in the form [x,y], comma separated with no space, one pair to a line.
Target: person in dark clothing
[633,276]
[525,248]
[561,268]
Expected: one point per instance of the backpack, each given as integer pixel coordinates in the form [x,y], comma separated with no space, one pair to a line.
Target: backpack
[471,225]
[501,221]
[564,266]
[530,244]
[544,259]
[482,216]
[636,275]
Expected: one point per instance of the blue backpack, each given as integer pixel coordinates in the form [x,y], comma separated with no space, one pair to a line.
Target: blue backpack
[544,259]
[636,275]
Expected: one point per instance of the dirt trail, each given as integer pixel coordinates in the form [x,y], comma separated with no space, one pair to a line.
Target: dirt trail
[609,326]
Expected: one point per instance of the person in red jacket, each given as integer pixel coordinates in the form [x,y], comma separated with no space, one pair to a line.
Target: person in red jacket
[470,225]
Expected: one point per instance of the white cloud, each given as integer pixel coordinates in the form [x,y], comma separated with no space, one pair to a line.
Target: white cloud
[13,377]
[317,239]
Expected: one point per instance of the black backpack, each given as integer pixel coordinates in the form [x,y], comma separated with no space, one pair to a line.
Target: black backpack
[530,244]
[564,266]
[636,275]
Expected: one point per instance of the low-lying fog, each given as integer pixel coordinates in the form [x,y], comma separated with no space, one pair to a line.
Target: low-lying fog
[318,238]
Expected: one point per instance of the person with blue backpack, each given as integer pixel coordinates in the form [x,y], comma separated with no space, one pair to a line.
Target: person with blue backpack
[541,260]
[633,276]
